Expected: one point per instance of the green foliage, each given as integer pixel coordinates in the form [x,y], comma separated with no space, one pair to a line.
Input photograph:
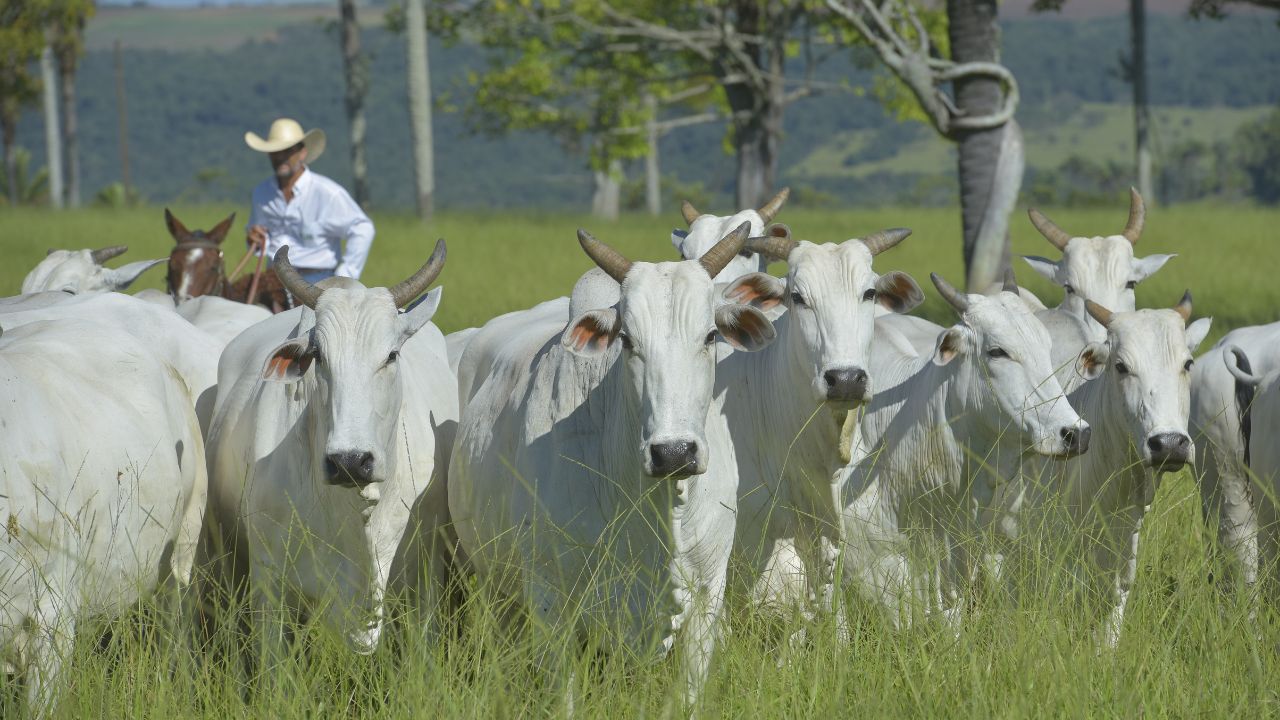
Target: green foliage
[21,39]
[1259,152]
[117,196]
[31,189]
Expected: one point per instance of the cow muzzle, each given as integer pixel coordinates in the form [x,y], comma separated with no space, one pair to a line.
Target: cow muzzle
[1075,439]
[352,468]
[674,459]
[1168,451]
[847,385]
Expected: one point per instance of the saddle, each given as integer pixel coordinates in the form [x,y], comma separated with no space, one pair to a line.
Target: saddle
[271,292]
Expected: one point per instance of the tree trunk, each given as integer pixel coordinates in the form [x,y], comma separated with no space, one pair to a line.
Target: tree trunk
[52,138]
[9,131]
[1141,110]
[757,111]
[989,183]
[357,86]
[652,176]
[419,91]
[605,200]
[70,140]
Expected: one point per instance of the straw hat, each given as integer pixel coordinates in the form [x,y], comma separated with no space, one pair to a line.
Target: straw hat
[284,134]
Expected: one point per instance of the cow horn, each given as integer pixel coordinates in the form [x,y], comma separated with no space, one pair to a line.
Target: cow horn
[949,293]
[1099,313]
[1010,281]
[302,291]
[1054,234]
[689,212]
[609,260]
[715,259]
[1183,307]
[879,242]
[771,208]
[102,255]
[776,243]
[1137,217]
[411,288]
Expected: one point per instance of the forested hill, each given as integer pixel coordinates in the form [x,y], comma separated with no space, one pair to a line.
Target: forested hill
[189,109]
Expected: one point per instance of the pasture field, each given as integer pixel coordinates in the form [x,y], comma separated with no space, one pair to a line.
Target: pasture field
[1188,649]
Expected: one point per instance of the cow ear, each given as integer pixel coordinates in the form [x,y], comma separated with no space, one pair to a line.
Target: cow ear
[898,292]
[677,241]
[1046,267]
[591,333]
[950,344]
[289,362]
[1092,360]
[120,278]
[757,289]
[1146,267]
[744,327]
[419,313]
[219,231]
[1196,332]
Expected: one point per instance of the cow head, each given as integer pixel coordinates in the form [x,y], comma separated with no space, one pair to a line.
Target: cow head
[353,349]
[830,291]
[666,324]
[1146,362]
[195,264]
[77,272]
[1008,350]
[706,230]
[1102,269]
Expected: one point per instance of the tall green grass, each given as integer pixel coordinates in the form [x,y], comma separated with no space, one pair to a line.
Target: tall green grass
[1188,649]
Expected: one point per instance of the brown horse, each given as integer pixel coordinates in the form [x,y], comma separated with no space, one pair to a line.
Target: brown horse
[196,268]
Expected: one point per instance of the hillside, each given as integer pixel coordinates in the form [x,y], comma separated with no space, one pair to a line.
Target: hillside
[198,79]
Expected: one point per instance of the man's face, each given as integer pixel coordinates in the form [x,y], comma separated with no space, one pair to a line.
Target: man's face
[288,162]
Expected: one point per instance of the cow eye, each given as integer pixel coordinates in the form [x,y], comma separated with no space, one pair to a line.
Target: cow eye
[626,341]
[996,352]
[797,299]
[869,295]
[711,337]
[393,356]
[1122,368]
[1131,285]
[1070,290]
[1186,367]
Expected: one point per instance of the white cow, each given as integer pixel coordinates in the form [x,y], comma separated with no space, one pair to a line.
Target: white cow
[785,405]
[941,435]
[76,272]
[1228,497]
[101,457]
[1138,405]
[221,318]
[1101,269]
[323,439]
[588,485]
[706,230]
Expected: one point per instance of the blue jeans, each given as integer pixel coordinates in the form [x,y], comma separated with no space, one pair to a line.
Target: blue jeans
[315,276]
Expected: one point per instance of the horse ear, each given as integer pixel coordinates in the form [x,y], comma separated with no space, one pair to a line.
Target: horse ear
[176,228]
[219,231]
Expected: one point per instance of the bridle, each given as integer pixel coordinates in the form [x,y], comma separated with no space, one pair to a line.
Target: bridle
[199,242]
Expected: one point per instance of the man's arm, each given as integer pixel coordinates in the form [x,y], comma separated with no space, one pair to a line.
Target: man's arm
[357,228]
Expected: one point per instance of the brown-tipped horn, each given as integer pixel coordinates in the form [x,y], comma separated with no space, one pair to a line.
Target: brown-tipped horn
[879,242]
[1099,313]
[102,255]
[404,292]
[1010,281]
[715,259]
[609,260]
[771,208]
[776,243]
[1183,307]
[1137,217]
[1051,232]
[689,212]
[949,293]
[303,291]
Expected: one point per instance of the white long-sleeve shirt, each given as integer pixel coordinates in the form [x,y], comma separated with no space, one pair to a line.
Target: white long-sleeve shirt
[314,224]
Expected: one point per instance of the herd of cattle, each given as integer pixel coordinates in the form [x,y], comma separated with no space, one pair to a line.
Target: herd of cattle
[610,461]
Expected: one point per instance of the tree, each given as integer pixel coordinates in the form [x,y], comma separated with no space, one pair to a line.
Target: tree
[356,70]
[52,138]
[1217,8]
[1258,148]
[419,94]
[979,119]
[66,20]
[21,40]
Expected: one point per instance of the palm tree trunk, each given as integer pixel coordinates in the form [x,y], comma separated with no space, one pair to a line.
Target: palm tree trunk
[357,87]
[990,161]
[70,139]
[52,139]
[652,174]
[419,92]
[1141,109]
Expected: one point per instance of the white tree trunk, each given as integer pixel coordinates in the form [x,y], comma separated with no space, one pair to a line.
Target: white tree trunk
[52,136]
[605,201]
[419,92]
[652,176]
[1141,108]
